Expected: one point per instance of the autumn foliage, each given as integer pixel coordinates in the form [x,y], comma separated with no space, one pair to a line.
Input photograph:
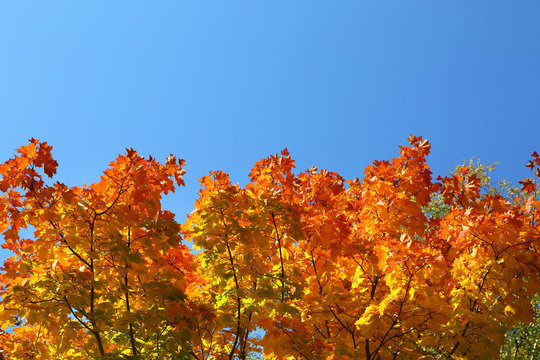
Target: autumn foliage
[290,266]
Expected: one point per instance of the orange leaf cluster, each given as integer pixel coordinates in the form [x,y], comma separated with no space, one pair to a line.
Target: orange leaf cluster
[292,265]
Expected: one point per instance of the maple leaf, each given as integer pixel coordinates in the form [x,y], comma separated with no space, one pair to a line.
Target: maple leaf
[528,186]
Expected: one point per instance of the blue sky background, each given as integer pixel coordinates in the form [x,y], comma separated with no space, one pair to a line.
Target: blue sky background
[225,83]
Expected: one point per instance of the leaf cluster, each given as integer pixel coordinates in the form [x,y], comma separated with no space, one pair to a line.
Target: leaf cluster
[307,265]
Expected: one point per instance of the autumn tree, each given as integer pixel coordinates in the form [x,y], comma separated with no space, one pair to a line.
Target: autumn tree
[317,265]
[104,274]
[329,268]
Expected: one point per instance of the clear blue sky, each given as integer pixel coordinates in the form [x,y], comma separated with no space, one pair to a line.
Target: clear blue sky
[225,83]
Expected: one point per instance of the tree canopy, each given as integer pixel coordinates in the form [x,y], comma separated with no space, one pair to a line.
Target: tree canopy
[308,265]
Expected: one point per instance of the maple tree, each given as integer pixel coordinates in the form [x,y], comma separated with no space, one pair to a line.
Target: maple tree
[522,340]
[292,265]
[104,273]
[359,269]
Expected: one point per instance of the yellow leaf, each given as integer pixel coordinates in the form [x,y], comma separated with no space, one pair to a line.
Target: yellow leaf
[509,311]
